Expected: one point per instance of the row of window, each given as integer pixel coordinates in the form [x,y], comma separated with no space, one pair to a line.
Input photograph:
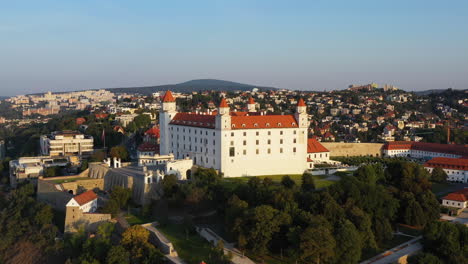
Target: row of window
[257,142]
[257,133]
[232,151]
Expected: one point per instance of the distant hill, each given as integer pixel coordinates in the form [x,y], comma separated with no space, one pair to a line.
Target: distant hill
[436,91]
[190,86]
[4,97]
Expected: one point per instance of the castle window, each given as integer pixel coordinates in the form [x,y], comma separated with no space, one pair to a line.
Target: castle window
[243,125]
[232,143]
[245,152]
[232,133]
[245,142]
[295,132]
[267,124]
[279,124]
[269,151]
[255,125]
[233,125]
[281,150]
[294,150]
[269,141]
[245,133]
[258,133]
[257,151]
[269,133]
[294,140]
[232,152]
[281,141]
[257,141]
[281,132]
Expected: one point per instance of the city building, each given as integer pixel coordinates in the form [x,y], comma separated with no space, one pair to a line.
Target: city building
[236,143]
[423,150]
[456,169]
[30,168]
[66,143]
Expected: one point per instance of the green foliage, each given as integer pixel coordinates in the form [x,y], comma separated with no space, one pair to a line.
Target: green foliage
[424,258]
[169,185]
[439,175]
[25,221]
[120,152]
[317,245]
[307,182]
[52,171]
[447,241]
[287,182]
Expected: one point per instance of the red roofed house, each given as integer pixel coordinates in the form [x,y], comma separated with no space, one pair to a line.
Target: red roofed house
[237,143]
[316,153]
[152,135]
[456,199]
[423,150]
[80,212]
[456,169]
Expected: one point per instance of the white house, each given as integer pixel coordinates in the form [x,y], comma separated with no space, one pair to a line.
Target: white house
[316,153]
[456,169]
[423,150]
[236,143]
[86,202]
[457,199]
[64,143]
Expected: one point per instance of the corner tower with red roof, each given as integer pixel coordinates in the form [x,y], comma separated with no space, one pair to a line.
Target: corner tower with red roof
[167,113]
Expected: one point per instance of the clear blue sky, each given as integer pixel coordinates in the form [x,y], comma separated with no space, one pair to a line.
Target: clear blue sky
[312,45]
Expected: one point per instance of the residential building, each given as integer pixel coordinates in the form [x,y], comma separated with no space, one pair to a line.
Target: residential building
[456,169]
[66,143]
[423,150]
[456,199]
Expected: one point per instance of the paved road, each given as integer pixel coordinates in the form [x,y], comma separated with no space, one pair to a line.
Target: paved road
[394,254]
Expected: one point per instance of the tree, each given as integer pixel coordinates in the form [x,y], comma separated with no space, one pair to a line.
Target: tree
[169,185]
[259,225]
[119,152]
[439,175]
[307,182]
[317,245]
[424,258]
[118,255]
[98,156]
[121,195]
[287,182]
[348,243]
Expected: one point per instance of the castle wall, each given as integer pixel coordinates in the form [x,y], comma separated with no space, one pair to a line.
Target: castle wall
[338,149]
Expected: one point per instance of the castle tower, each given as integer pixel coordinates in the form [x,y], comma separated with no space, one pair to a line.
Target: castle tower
[223,118]
[166,114]
[301,114]
[251,105]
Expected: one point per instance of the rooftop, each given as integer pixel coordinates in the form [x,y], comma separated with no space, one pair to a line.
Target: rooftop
[85,197]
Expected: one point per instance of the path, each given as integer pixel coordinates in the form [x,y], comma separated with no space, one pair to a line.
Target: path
[394,254]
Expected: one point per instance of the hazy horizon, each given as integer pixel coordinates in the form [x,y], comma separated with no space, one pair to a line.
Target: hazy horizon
[302,45]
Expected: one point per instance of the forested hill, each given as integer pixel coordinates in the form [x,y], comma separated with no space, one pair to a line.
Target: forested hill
[193,85]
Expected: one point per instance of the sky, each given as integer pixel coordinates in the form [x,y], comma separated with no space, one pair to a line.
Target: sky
[308,45]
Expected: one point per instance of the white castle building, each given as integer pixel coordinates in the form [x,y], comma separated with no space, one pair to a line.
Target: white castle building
[236,143]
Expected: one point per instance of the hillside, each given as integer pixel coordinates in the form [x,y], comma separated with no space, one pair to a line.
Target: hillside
[193,85]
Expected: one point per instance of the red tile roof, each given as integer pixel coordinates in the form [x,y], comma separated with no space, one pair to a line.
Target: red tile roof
[80,120]
[154,131]
[223,103]
[168,97]
[251,100]
[448,163]
[313,146]
[85,197]
[461,150]
[263,121]
[194,120]
[301,102]
[148,146]
[461,196]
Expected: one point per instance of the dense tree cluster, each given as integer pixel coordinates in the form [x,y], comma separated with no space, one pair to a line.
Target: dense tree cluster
[443,242]
[28,235]
[333,225]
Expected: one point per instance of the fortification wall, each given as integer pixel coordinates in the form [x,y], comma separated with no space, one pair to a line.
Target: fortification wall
[353,149]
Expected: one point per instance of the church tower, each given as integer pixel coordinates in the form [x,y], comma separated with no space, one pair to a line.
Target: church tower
[167,112]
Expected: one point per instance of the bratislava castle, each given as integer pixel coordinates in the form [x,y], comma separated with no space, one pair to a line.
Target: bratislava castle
[236,143]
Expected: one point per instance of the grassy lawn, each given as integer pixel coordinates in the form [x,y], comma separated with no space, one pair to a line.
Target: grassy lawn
[67,180]
[136,220]
[192,249]
[395,241]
